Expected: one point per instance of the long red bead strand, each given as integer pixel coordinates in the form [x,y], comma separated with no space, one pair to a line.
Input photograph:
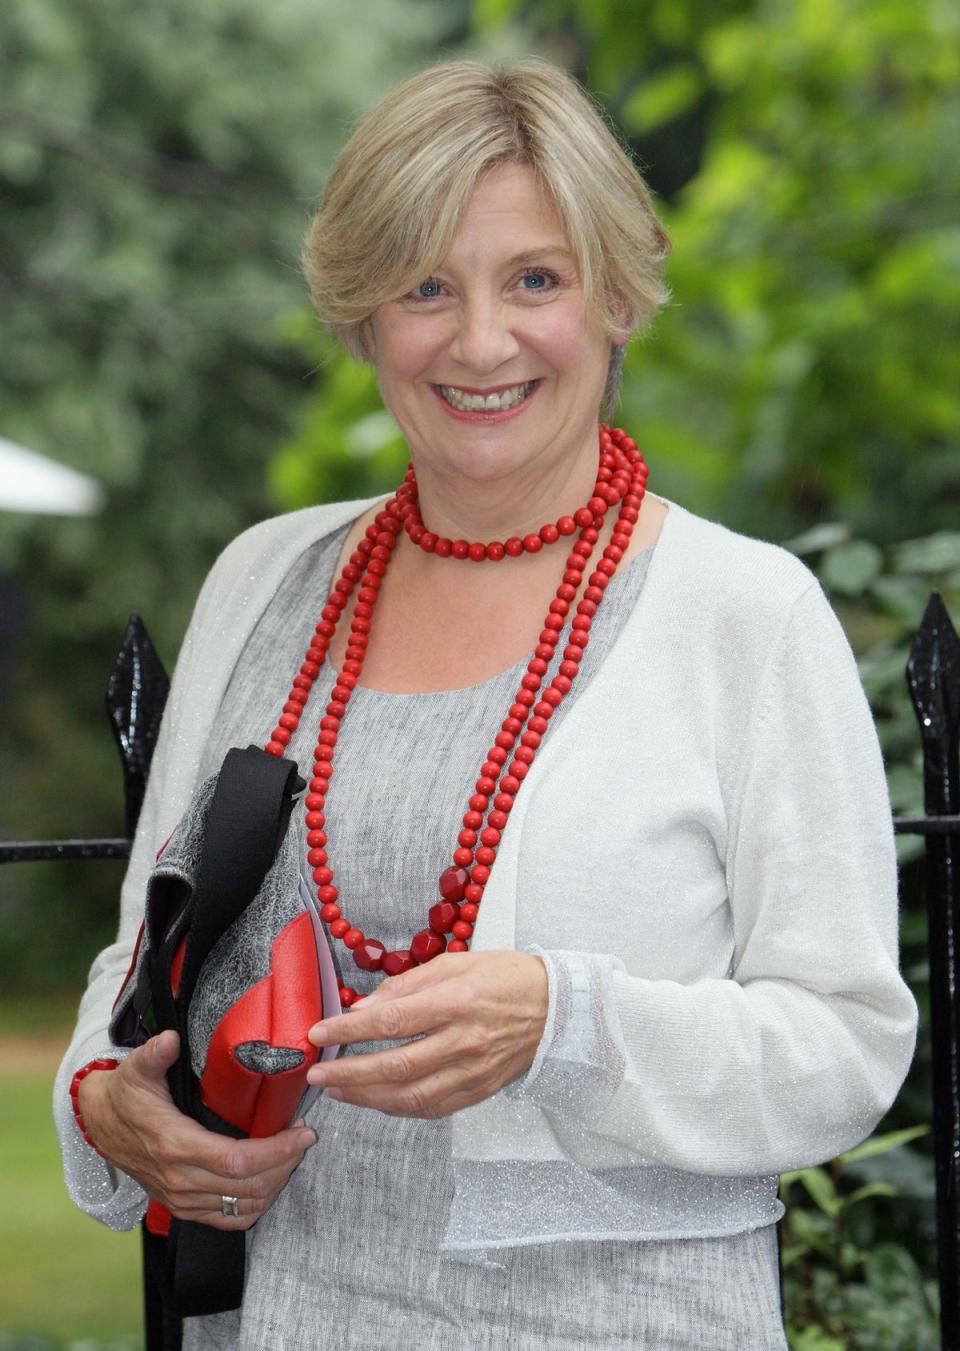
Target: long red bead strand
[621,478]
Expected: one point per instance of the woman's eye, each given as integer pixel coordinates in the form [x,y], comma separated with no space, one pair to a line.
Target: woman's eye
[538,281]
[427,290]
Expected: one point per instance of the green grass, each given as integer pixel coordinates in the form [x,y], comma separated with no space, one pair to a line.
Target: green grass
[65,1278]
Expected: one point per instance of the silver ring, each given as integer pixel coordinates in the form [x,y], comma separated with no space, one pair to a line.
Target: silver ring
[230,1205]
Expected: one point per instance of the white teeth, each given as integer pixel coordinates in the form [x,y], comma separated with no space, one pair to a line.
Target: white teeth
[487,403]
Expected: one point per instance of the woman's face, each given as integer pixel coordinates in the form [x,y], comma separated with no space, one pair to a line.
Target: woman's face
[492,365]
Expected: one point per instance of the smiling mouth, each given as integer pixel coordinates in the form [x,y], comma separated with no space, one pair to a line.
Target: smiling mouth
[497,402]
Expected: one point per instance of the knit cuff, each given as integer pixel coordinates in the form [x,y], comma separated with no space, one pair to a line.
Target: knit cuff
[95,1185]
[581,1060]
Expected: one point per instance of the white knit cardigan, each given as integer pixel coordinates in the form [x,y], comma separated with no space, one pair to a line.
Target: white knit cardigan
[704,855]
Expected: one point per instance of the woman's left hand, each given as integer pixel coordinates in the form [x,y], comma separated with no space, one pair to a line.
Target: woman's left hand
[478,1017]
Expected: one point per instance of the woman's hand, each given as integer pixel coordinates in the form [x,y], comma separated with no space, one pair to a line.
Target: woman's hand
[479,1018]
[128,1111]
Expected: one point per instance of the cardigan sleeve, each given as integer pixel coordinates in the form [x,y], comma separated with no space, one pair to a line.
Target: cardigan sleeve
[797,1055]
[99,1189]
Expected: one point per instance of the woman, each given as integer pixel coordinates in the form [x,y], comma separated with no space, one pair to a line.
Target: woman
[672,974]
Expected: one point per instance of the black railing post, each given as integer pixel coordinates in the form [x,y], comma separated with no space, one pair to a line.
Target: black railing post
[135,698]
[933,677]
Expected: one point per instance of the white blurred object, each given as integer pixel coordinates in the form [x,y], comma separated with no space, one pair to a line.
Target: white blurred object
[31,482]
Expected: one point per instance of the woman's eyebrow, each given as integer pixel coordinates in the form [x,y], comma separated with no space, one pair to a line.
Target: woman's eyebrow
[537,255]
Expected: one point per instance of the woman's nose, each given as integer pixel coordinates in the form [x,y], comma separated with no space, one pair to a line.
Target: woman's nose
[484,338]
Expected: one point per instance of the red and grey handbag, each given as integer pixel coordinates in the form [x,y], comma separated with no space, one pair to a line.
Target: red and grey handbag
[233,956]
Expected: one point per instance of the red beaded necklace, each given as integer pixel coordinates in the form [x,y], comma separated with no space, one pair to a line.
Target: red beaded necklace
[621,478]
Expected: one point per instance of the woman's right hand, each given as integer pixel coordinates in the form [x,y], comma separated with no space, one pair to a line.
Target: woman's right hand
[130,1114]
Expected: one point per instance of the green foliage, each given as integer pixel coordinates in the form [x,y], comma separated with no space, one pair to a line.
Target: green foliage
[880,595]
[842,1288]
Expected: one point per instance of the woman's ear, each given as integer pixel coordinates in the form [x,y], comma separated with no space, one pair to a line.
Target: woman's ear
[367,339]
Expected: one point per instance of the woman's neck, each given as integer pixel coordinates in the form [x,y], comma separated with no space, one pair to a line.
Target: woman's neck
[466,506]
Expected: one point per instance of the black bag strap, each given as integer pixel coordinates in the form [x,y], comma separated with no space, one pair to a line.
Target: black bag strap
[200,1270]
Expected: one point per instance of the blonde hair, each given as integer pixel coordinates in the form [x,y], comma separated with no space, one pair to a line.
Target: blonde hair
[392,203]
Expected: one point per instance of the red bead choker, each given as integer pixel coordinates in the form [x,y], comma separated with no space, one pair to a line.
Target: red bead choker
[621,478]
[605,494]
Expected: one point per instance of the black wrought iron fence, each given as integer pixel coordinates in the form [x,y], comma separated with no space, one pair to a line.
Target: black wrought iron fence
[137,691]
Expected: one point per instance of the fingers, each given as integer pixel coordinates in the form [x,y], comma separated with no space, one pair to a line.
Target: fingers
[397,1065]
[204,1198]
[252,1171]
[389,1019]
[154,1058]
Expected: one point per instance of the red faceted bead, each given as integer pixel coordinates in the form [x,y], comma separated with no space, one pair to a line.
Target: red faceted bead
[426,945]
[442,916]
[452,882]
[395,963]
[368,954]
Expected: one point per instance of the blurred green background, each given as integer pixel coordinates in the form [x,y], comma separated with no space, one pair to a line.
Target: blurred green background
[158,165]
